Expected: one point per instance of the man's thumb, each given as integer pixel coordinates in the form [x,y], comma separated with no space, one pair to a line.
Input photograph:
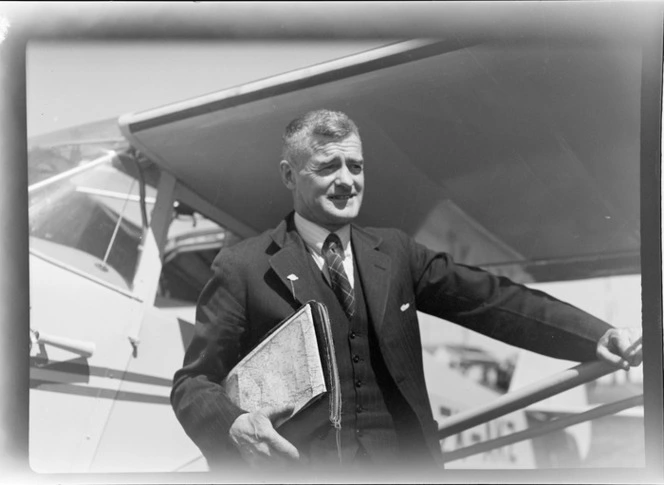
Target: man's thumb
[278,415]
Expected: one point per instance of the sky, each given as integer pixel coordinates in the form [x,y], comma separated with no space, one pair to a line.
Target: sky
[71,83]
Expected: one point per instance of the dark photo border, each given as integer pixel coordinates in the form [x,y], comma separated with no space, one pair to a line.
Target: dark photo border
[30,21]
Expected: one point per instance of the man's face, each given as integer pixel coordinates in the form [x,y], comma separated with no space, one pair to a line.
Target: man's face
[328,185]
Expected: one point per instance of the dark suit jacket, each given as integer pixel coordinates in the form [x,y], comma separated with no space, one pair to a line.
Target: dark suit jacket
[250,293]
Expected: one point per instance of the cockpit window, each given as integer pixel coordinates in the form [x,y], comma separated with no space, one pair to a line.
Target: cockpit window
[193,243]
[88,216]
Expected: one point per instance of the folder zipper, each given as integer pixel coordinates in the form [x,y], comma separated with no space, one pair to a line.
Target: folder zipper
[335,385]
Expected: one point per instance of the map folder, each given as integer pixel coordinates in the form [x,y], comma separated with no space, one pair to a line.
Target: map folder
[293,365]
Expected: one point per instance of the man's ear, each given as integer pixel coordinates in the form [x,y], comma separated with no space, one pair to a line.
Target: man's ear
[287,174]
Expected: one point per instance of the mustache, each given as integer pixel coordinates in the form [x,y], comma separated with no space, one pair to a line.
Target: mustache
[343,192]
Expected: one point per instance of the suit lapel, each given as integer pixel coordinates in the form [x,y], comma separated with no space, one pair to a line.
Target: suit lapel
[374,268]
[291,265]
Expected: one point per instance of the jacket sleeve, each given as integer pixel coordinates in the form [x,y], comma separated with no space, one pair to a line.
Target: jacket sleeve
[501,309]
[198,399]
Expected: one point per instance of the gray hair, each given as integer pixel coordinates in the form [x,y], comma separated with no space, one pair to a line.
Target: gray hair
[334,125]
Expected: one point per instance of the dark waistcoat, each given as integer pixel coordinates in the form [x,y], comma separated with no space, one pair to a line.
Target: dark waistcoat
[377,426]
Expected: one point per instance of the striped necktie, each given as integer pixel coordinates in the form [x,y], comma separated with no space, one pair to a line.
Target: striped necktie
[332,252]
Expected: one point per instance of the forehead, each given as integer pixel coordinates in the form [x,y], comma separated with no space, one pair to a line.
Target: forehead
[351,146]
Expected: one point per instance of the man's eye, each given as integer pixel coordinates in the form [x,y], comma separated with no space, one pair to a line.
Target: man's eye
[356,168]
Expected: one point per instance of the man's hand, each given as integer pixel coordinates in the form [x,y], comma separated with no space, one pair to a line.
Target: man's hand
[253,434]
[621,347]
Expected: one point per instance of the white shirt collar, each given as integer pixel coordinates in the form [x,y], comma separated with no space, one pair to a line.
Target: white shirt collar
[314,235]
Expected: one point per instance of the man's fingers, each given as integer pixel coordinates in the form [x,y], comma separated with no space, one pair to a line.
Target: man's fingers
[621,347]
[282,446]
[259,444]
[627,345]
[275,414]
[605,354]
[636,344]
[636,358]
[635,352]
[275,451]
[621,343]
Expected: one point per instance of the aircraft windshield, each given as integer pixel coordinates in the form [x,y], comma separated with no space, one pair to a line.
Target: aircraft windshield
[88,217]
[193,243]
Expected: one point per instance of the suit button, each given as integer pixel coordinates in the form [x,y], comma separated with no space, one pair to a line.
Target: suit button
[353,335]
[358,432]
[356,358]
[358,383]
[359,409]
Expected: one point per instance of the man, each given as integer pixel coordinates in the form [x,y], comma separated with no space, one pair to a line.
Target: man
[372,281]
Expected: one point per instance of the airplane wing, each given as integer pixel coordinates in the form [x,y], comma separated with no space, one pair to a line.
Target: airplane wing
[519,154]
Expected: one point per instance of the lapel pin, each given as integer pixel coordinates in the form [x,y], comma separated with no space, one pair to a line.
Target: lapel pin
[291,277]
[404,307]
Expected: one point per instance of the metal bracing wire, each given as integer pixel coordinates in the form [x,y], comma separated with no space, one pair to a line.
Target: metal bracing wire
[525,396]
[560,423]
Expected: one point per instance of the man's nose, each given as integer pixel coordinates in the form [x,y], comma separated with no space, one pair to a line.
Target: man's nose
[344,177]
